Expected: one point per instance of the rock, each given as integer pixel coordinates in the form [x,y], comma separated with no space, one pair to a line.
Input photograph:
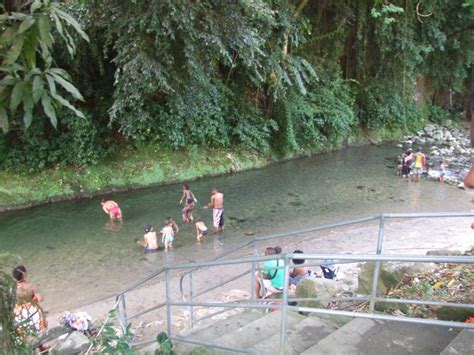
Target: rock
[387,279]
[74,343]
[438,135]
[429,128]
[448,123]
[444,252]
[448,136]
[454,314]
[307,289]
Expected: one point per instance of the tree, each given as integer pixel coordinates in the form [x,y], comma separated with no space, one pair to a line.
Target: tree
[29,78]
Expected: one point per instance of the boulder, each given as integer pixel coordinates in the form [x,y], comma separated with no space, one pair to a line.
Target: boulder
[448,136]
[429,128]
[387,280]
[444,252]
[438,135]
[74,343]
[307,289]
[454,314]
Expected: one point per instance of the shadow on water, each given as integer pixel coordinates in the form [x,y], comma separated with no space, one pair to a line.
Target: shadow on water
[78,256]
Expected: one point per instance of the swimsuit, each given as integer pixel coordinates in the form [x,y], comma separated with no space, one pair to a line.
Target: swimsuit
[114,211]
[168,239]
[205,232]
[218,217]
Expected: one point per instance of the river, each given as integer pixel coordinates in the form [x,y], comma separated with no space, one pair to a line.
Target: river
[78,257]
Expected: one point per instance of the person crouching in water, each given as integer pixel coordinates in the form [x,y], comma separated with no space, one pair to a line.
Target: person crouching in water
[189,202]
[112,209]
[167,236]
[150,240]
[29,316]
[201,230]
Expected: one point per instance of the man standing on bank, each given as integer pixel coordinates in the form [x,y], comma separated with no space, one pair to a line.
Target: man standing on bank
[217,205]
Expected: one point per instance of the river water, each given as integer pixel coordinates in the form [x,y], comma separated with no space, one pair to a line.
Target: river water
[77,256]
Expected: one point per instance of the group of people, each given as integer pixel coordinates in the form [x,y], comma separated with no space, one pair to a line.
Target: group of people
[270,281]
[411,164]
[171,228]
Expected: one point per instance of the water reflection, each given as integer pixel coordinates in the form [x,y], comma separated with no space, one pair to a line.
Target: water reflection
[113,226]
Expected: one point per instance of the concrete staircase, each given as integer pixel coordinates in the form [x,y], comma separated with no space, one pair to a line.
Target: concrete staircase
[258,333]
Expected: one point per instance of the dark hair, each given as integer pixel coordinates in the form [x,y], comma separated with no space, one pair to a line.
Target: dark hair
[148,228]
[199,219]
[270,251]
[186,186]
[298,261]
[277,250]
[19,272]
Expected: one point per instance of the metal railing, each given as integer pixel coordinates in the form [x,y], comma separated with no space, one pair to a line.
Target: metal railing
[187,298]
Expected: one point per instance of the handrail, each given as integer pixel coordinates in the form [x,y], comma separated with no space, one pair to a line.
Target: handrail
[334,257]
[378,258]
[329,226]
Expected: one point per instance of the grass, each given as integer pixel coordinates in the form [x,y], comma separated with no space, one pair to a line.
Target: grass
[144,166]
[136,168]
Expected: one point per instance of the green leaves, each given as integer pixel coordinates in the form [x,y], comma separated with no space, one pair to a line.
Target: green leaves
[49,109]
[23,37]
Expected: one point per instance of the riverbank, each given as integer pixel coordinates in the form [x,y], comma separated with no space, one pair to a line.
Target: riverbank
[148,166]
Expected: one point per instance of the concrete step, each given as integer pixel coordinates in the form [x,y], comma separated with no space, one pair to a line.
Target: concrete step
[216,330]
[366,336]
[260,329]
[463,344]
[299,338]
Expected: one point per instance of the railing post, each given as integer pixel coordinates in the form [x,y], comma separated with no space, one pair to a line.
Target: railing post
[284,310]
[252,286]
[122,314]
[191,310]
[377,265]
[168,303]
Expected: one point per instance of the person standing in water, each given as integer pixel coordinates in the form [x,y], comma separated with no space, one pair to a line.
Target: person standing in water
[419,164]
[112,209]
[407,159]
[174,225]
[167,236]
[189,202]
[217,205]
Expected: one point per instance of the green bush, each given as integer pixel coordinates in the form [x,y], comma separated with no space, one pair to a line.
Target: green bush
[75,142]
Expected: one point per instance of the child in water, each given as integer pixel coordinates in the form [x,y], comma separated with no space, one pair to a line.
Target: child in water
[189,202]
[150,240]
[201,230]
[167,236]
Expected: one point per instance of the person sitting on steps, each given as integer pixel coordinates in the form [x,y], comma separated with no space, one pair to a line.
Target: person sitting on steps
[269,281]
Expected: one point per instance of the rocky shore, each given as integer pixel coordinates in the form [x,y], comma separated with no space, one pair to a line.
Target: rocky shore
[449,143]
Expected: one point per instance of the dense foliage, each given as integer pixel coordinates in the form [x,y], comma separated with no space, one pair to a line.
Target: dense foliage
[281,75]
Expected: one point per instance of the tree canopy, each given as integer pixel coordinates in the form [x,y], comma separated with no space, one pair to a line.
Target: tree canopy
[284,75]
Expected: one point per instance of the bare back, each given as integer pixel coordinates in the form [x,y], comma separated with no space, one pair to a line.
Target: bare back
[217,200]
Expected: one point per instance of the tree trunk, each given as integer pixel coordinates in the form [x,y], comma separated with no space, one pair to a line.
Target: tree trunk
[7,303]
